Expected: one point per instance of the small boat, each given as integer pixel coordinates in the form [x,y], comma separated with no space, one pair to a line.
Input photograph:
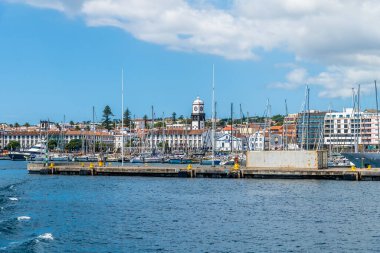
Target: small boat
[29,154]
[210,161]
[180,161]
[58,158]
[143,159]
[86,158]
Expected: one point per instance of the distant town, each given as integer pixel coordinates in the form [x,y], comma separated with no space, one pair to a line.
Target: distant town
[311,129]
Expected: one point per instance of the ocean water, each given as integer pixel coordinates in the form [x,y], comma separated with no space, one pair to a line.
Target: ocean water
[44,213]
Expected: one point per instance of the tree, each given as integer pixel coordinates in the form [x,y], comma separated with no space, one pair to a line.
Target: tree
[52,144]
[77,128]
[72,123]
[278,119]
[158,124]
[145,118]
[17,124]
[74,145]
[26,124]
[174,117]
[88,128]
[127,118]
[12,145]
[107,113]
[58,126]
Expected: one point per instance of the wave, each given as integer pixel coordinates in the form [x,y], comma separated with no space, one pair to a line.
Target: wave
[23,218]
[35,244]
[9,226]
[46,236]
[13,198]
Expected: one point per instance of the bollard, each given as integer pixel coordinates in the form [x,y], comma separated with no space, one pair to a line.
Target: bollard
[353,168]
[91,165]
[51,166]
[189,167]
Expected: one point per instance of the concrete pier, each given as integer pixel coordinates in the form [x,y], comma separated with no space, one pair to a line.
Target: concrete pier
[202,171]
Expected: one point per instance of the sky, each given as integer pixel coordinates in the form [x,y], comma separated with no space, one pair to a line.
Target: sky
[59,58]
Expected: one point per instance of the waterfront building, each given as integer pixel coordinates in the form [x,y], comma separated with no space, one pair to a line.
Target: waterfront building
[347,128]
[29,138]
[176,139]
[198,115]
[224,140]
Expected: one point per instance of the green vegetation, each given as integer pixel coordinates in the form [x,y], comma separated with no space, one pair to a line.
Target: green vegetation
[174,115]
[13,145]
[278,119]
[107,113]
[74,145]
[145,118]
[52,144]
[127,118]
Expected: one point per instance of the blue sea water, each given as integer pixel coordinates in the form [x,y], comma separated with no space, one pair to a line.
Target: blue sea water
[45,213]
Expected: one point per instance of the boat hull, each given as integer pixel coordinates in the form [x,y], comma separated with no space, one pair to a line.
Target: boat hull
[180,161]
[209,162]
[18,156]
[363,160]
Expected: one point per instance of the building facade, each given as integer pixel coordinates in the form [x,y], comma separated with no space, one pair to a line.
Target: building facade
[310,130]
[198,115]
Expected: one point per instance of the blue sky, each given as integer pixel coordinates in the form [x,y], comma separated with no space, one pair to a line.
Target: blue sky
[55,62]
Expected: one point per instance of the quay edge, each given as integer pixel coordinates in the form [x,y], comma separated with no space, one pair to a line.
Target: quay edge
[204,172]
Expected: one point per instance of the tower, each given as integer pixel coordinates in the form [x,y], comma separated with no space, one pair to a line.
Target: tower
[198,115]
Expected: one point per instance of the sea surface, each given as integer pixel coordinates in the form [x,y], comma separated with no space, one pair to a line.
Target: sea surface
[45,213]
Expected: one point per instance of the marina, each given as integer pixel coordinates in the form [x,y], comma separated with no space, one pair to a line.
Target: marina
[96,169]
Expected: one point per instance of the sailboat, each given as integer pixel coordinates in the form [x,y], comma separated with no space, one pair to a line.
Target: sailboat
[212,161]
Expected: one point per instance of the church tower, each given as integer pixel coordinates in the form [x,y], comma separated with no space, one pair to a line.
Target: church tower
[198,115]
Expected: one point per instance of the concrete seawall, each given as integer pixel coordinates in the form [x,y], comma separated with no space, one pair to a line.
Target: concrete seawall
[204,172]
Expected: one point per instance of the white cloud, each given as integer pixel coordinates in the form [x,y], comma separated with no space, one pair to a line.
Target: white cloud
[339,34]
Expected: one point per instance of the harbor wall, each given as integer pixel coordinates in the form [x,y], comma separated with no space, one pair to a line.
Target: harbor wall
[302,159]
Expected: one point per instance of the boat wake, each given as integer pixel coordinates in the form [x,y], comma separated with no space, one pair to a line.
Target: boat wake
[34,244]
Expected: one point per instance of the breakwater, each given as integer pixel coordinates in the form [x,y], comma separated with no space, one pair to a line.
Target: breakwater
[92,169]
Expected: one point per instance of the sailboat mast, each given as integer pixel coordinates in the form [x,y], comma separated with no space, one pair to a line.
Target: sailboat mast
[93,130]
[232,123]
[163,133]
[285,132]
[213,117]
[377,116]
[122,117]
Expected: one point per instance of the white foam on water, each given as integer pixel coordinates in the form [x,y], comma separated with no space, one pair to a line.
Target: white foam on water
[13,198]
[23,218]
[46,236]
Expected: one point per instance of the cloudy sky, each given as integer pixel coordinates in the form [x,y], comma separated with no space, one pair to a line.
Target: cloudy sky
[61,57]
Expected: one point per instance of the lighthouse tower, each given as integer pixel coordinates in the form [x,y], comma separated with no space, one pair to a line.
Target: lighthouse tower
[198,115]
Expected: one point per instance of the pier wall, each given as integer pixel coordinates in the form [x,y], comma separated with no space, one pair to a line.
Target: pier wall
[302,159]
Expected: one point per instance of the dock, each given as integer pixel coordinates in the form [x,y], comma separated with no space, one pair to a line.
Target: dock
[198,171]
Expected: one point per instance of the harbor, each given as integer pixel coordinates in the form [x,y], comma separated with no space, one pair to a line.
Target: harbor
[235,172]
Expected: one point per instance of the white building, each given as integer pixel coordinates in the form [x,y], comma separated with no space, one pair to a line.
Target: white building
[198,115]
[29,138]
[256,141]
[349,127]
